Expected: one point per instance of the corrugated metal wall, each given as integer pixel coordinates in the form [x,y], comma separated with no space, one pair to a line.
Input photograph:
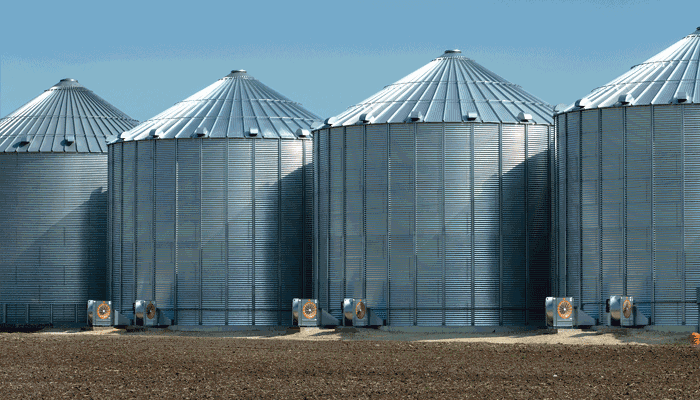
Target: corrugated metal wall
[435,224]
[630,221]
[219,228]
[53,224]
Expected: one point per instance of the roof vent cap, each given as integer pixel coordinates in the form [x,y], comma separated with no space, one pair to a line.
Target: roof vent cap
[524,117]
[24,140]
[69,140]
[155,133]
[239,71]
[316,125]
[471,116]
[582,103]
[330,120]
[366,118]
[253,132]
[200,132]
[681,97]
[625,99]
[302,132]
[68,80]
[453,51]
[415,116]
[111,139]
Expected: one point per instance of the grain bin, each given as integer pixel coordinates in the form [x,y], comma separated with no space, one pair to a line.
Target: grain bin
[432,200]
[629,189]
[53,204]
[210,205]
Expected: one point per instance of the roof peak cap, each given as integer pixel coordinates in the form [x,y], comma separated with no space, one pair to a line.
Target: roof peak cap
[452,53]
[238,72]
[67,82]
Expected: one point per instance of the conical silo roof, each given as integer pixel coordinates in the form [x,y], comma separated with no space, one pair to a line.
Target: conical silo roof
[67,117]
[451,88]
[230,107]
[668,77]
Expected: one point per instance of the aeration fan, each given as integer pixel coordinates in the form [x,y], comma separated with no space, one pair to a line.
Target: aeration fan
[621,311]
[306,312]
[561,313]
[147,314]
[101,313]
[356,313]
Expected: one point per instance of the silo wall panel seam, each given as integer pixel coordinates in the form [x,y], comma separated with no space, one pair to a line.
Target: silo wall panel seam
[241,227]
[668,219]
[144,200]
[573,206]
[336,245]
[128,227]
[354,212]
[514,224]
[213,222]
[612,203]
[458,221]
[323,212]
[487,224]
[562,205]
[638,241]
[188,231]
[430,215]
[309,210]
[266,232]
[376,218]
[401,201]
[164,224]
[540,273]
[292,222]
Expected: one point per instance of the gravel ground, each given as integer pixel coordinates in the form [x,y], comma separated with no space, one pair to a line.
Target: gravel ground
[323,363]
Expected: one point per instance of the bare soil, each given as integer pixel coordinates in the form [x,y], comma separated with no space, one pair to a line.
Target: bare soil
[317,363]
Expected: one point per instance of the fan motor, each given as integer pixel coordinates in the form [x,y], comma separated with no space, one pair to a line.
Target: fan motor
[104,311]
[309,310]
[564,309]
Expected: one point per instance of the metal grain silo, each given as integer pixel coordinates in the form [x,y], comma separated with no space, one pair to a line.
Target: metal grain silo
[629,189]
[432,200]
[53,204]
[211,207]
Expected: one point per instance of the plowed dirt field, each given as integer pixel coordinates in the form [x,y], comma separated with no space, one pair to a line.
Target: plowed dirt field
[109,363]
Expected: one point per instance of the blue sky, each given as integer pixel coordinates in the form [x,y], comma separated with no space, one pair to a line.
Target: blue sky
[327,55]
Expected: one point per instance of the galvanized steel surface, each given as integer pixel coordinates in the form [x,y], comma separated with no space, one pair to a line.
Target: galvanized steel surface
[53,204]
[65,118]
[451,88]
[629,208]
[217,231]
[53,225]
[230,107]
[671,76]
[434,223]
[210,217]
